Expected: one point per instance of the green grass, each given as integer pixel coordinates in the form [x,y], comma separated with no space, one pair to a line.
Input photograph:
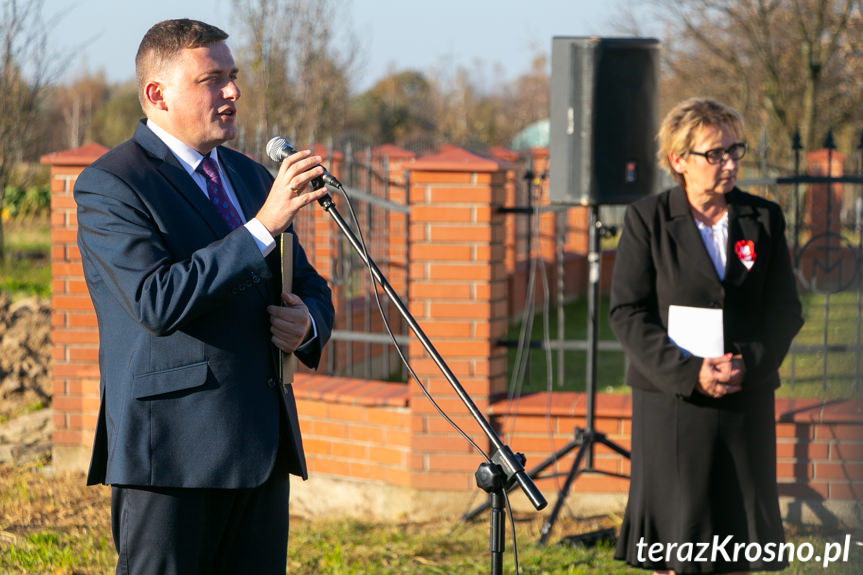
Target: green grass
[26,270]
[350,547]
[56,525]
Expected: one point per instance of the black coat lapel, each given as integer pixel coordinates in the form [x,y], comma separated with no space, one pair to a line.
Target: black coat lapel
[682,228]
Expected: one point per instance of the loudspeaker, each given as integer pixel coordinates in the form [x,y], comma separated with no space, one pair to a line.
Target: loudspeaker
[603,123]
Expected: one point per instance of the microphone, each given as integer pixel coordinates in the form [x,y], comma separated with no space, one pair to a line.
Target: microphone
[280,148]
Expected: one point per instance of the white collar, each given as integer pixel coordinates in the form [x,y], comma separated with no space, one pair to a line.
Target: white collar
[189,157]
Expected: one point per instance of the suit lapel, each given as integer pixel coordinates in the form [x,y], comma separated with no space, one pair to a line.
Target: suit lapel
[681,227]
[171,169]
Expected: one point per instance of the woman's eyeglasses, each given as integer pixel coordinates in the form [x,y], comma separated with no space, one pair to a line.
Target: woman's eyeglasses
[735,151]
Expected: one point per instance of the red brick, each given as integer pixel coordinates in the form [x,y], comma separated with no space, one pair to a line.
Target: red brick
[800,470]
[71,269]
[437,290]
[389,455]
[58,387]
[843,490]
[71,437]
[59,420]
[347,413]
[329,466]
[460,463]
[453,310]
[64,236]
[68,336]
[846,471]
[800,431]
[84,421]
[440,272]
[84,354]
[58,319]
[461,195]
[328,429]
[397,476]
[443,481]
[84,387]
[82,320]
[847,451]
[839,431]
[794,450]
[799,490]
[348,450]
[365,471]
[419,177]
[366,434]
[315,446]
[440,444]
[69,370]
[444,214]
[77,286]
[442,233]
[62,202]
[71,302]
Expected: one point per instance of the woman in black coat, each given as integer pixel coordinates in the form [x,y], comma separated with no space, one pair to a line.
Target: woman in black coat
[703,495]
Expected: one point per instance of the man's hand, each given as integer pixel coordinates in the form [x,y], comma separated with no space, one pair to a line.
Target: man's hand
[288,193]
[290,323]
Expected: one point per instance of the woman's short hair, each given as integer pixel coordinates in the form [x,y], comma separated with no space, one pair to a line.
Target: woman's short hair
[682,124]
[164,42]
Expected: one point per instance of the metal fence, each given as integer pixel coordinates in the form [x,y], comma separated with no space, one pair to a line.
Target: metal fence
[823,205]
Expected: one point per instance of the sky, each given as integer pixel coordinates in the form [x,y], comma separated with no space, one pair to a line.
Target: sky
[393,35]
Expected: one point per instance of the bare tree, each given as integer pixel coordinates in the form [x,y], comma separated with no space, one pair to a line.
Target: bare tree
[786,64]
[298,80]
[24,73]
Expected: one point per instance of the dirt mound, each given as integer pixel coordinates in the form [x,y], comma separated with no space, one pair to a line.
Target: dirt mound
[25,379]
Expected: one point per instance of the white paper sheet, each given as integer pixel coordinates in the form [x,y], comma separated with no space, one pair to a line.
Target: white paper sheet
[696,330]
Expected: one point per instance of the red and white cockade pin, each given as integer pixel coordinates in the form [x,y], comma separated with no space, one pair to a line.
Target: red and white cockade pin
[745,250]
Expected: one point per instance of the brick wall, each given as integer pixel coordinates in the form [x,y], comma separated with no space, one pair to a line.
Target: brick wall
[74,335]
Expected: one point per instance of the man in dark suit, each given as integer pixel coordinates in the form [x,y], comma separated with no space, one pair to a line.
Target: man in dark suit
[178,238]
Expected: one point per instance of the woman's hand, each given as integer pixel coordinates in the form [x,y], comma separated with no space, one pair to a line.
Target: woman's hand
[720,376]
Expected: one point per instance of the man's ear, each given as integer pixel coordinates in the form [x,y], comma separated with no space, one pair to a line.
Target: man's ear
[154,94]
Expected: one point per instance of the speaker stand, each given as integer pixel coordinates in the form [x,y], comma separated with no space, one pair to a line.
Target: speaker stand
[587,437]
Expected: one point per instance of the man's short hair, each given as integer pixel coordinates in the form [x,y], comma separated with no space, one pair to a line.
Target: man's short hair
[164,42]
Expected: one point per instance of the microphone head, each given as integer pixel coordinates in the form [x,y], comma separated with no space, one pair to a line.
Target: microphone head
[279,148]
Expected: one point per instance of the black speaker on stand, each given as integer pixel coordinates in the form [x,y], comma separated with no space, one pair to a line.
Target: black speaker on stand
[604,118]
[603,124]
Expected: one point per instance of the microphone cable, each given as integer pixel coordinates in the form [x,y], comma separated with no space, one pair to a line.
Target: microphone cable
[413,374]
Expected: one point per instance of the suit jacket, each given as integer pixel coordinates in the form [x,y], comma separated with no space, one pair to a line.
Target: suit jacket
[189,395]
[661,260]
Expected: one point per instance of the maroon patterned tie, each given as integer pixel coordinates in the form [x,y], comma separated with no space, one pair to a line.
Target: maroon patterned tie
[216,192]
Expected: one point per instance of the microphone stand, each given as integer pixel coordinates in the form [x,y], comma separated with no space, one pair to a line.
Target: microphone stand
[506,466]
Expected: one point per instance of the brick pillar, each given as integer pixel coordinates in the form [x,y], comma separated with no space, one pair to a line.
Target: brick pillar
[74,334]
[458,296]
[317,232]
[824,201]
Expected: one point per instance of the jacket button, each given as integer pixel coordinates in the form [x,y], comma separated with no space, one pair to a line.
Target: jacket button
[271,383]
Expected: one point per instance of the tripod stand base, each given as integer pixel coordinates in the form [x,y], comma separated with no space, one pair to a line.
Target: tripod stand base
[590,539]
[585,438]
